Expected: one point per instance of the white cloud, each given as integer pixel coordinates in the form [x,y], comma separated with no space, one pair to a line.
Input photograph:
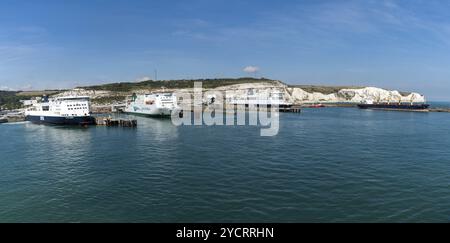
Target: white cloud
[143,79]
[251,69]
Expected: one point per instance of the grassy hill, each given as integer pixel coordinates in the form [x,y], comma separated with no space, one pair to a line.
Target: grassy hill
[174,84]
[38,93]
[209,84]
[10,100]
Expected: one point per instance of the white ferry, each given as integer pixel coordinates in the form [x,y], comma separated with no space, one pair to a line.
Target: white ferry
[69,110]
[156,104]
[256,99]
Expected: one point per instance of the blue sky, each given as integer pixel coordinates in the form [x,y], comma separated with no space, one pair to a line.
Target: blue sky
[392,44]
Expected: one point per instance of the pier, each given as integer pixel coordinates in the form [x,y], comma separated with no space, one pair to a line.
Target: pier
[109,122]
[439,109]
[12,118]
[293,109]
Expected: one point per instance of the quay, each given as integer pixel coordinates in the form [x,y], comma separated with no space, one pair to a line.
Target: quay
[12,117]
[439,109]
[109,122]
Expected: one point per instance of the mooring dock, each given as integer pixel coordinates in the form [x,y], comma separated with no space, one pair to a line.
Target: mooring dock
[439,109]
[293,109]
[109,122]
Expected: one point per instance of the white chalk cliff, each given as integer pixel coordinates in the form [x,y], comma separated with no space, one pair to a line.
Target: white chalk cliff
[292,94]
[298,95]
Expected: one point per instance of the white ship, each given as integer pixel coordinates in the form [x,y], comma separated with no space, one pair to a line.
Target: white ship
[256,99]
[69,110]
[156,104]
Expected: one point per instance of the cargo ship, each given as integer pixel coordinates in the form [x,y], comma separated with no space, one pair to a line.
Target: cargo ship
[69,110]
[395,106]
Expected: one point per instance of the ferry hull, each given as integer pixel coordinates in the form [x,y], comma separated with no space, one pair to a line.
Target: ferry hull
[54,120]
[154,112]
[152,105]
[404,107]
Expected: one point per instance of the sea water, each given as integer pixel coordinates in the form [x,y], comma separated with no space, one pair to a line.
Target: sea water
[325,165]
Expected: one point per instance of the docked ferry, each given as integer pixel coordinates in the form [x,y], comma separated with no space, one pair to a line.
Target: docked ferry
[69,110]
[395,106]
[256,99]
[155,104]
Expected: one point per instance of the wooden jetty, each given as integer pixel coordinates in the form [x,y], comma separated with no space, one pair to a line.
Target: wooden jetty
[109,122]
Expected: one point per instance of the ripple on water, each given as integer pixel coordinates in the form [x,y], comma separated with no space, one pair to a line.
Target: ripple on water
[328,165]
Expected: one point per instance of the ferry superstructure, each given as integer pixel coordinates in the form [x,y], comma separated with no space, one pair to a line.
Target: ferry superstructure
[154,104]
[252,98]
[68,110]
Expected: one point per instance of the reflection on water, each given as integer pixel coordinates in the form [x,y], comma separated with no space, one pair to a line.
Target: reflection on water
[161,129]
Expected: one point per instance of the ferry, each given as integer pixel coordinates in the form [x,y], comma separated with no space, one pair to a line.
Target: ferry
[252,98]
[394,106]
[155,104]
[3,119]
[69,110]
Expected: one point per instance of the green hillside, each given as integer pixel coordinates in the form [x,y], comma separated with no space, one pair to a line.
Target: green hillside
[10,100]
[174,84]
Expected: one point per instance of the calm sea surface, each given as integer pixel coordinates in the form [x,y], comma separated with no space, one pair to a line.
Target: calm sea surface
[325,165]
